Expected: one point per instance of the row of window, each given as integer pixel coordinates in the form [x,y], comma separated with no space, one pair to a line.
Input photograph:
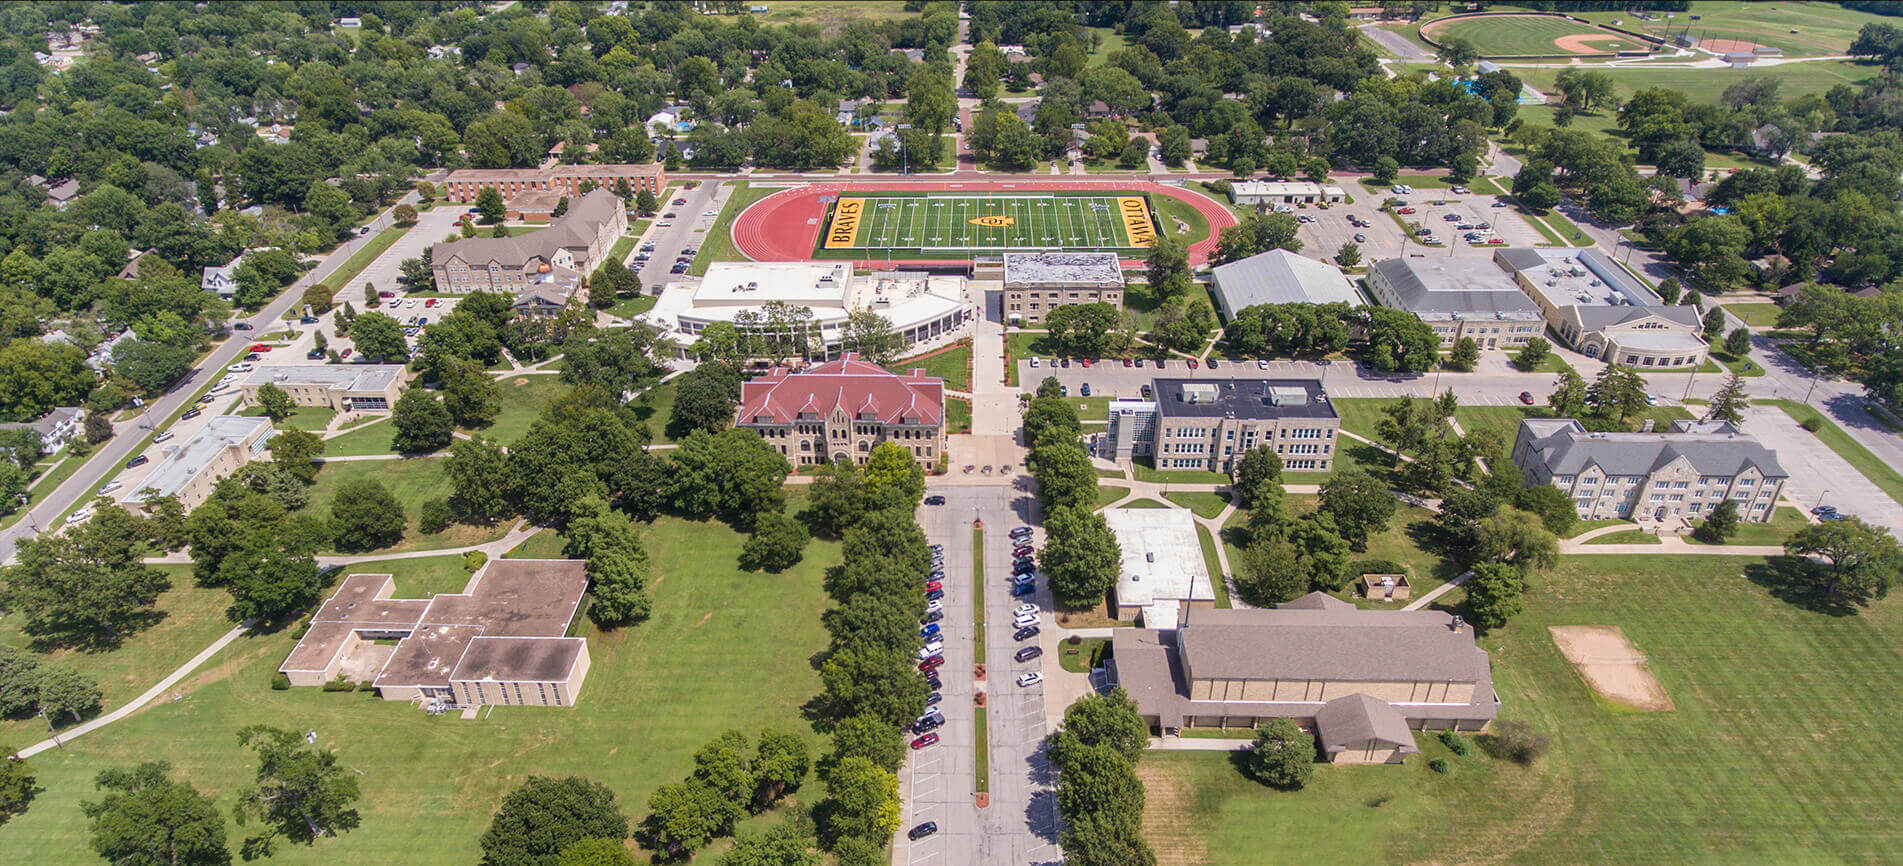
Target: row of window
[1637,361]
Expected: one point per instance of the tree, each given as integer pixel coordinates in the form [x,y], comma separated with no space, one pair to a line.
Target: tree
[1465,355]
[645,203]
[1107,719]
[86,585]
[1714,324]
[98,429]
[735,474]
[422,423]
[1730,401]
[489,205]
[152,366]
[19,681]
[863,802]
[1533,354]
[545,815]
[1183,324]
[789,844]
[1568,398]
[1063,471]
[1359,504]
[273,584]
[1515,537]
[1081,556]
[297,450]
[892,475]
[1348,255]
[1167,268]
[1283,755]
[64,691]
[303,792]
[1554,508]
[1584,89]
[704,399]
[876,681]
[366,516]
[1270,573]
[869,737]
[471,395]
[596,852]
[1720,524]
[1618,393]
[18,786]
[617,562]
[1860,561]
[276,404]
[683,817]
[1494,594]
[1094,330]
[150,819]
[870,334]
[370,298]
[1738,342]
[379,337]
[1669,290]
[780,764]
[404,215]
[1256,467]
[778,543]
[479,479]
[36,376]
[1457,52]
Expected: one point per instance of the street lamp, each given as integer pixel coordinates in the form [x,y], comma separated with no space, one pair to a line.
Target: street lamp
[1820,371]
[1820,496]
[905,157]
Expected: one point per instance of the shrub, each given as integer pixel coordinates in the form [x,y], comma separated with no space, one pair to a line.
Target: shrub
[280,682]
[367,686]
[1811,424]
[1518,742]
[435,517]
[1376,566]
[473,560]
[1455,742]
[340,685]
[1439,765]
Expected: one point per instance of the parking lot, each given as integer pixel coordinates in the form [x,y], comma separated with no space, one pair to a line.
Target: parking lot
[1383,238]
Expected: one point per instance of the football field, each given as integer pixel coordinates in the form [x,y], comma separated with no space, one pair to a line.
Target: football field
[976,222]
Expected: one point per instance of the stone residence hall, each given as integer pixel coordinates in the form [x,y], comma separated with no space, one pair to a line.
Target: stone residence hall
[840,409]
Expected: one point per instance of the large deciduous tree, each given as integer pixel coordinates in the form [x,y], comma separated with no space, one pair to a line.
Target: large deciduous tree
[86,585]
[1360,505]
[1283,755]
[1860,562]
[1081,557]
[366,516]
[545,815]
[303,792]
[422,423]
[148,818]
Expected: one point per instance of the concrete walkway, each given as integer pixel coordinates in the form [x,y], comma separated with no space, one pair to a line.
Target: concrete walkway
[149,696]
[1429,596]
[1200,744]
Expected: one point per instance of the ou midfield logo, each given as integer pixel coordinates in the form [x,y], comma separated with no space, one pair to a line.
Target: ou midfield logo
[996,222]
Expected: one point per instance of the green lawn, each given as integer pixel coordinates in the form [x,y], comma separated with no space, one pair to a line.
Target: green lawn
[656,693]
[309,418]
[719,245]
[362,441]
[1784,521]
[1143,305]
[1019,345]
[1507,418]
[656,407]
[957,415]
[1625,536]
[1708,85]
[340,279]
[413,481]
[1143,503]
[1217,580]
[546,544]
[952,364]
[1076,659]
[628,308]
[1880,473]
[1742,366]
[1760,316]
[1108,40]
[1569,232]
[1581,527]
[1417,181]
[1204,504]
[1548,234]
[522,400]
[1107,495]
[1195,226]
[1146,471]
[1747,741]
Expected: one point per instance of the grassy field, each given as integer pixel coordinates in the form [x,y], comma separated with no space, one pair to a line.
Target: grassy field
[952,364]
[1784,521]
[1801,29]
[522,400]
[363,441]
[1495,36]
[1213,566]
[657,692]
[1618,786]
[656,407]
[413,481]
[1707,85]
[938,222]
[830,15]
[1204,504]
[957,415]
[1882,474]
[1107,495]
[1759,316]
[1108,40]
[340,279]
[719,246]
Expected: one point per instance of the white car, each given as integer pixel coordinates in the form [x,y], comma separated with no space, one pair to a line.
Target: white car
[934,606]
[1651,399]
[1030,679]
[1023,620]
[110,486]
[931,649]
[80,516]
[1033,363]
[1025,608]
[396,304]
[163,436]
[410,303]
[710,213]
[1261,363]
[240,368]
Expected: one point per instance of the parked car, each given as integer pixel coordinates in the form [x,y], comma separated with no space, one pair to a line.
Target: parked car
[1834,515]
[258,347]
[930,663]
[931,616]
[669,216]
[926,724]
[1023,550]
[1024,619]
[110,486]
[1028,653]
[1033,363]
[1194,364]
[1021,532]
[80,516]
[163,436]
[933,606]
[928,630]
[241,326]
[934,499]
[344,354]
[1028,578]
[1213,363]
[923,830]
[1404,210]
[391,294]
[934,595]
[429,302]
[1023,589]
[1822,510]
[1030,679]
[1025,633]
[307,320]
[1084,389]
[1261,363]
[1024,608]
[1360,238]
[1526,397]
[140,460]
[924,741]
[680,201]
[933,682]
[932,648]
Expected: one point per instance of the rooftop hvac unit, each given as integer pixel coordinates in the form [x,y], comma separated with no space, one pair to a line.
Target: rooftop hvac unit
[1149,557]
[1288,396]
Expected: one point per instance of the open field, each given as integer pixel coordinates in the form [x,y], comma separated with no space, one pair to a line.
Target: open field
[1801,29]
[657,692]
[413,481]
[522,400]
[827,14]
[953,364]
[1758,316]
[937,222]
[1707,85]
[1617,786]
[1499,35]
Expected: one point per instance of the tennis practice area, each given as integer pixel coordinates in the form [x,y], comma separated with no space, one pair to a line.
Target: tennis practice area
[952,221]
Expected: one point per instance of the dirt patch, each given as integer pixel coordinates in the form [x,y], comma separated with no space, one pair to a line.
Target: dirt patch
[1611,665]
[1582,43]
[1723,46]
[520,380]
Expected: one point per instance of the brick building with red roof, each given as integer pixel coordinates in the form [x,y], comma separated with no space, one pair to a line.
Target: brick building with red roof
[840,409]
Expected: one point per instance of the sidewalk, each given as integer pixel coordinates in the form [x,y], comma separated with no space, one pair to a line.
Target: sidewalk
[149,696]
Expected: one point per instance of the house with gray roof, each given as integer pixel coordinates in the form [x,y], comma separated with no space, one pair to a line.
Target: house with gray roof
[1459,296]
[573,243]
[1279,277]
[1603,311]
[1662,479]
[1362,680]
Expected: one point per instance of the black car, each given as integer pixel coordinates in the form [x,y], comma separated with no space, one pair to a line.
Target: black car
[933,682]
[1021,532]
[241,326]
[934,595]
[932,616]
[191,413]
[938,574]
[1025,633]
[1022,561]
[923,830]
[934,500]
[251,357]
[923,725]
[140,460]
[931,700]
[1024,568]
[1028,653]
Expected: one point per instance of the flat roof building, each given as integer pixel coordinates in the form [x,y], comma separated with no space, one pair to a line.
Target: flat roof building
[1362,680]
[1459,296]
[921,307]
[1279,277]
[1162,568]
[502,640]
[191,472]
[465,183]
[1664,477]
[1206,424]
[1604,312]
[1037,283]
[341,387]
[1249,193]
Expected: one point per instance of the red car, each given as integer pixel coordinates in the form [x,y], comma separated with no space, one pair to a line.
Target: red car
[924,741]
[1404,210]
[344,354]
[1194,364]
[1085,362]
[386,294]
[933,584]
[931,664]
[430,303]
[1126,362]
[258,347]
[1526,397]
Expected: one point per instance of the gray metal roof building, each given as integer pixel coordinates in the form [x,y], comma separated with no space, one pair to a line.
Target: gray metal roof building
[1564,447]
[1460,286]
[1279,277]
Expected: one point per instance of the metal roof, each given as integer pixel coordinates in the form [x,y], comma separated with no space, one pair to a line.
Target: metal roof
[1565,447]
[1280,277]
[1463,286]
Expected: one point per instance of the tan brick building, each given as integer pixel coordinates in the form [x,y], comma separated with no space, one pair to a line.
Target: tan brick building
[840,409]
[571,246]
[341,387]
[1037,283]
[1204,424]
[464,184]
[1672,476]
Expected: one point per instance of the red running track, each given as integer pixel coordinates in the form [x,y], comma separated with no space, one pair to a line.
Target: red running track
[785,226]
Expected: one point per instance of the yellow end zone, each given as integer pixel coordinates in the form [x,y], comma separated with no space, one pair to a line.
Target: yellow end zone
[1136,221]
[843,234]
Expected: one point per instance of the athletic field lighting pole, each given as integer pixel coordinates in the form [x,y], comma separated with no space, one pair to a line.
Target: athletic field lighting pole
[905,155]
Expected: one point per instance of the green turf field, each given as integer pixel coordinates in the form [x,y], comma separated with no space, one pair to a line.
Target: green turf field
[1800,29]
[1507,35]
[969,222]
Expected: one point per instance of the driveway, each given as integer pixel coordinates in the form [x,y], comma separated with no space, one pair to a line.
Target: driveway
[1817,475]
[689,230]
[1494,384]
[1398,44]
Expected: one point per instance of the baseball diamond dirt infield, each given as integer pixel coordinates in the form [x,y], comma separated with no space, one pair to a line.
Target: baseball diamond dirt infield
[1727,46]
[1611,665]
[802,223]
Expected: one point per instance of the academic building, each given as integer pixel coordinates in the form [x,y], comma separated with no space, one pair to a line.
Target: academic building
[841,409]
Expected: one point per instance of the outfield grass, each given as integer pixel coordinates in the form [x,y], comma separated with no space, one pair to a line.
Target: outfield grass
[953,364]
[1494,36]
[1881,474]
[1617,786]
[1708,85]
[522,400]
[656,693]
[1204,504]
[1801,29]
[719,245]
[1759,316]
[942,222]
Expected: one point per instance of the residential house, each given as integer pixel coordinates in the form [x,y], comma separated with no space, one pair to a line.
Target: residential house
[56,428]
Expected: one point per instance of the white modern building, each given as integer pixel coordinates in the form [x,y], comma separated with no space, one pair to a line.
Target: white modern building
[921,307]
[1162,570]
[1249,193]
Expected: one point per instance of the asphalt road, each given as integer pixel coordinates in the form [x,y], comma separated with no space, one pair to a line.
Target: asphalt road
[131,436]
[690,230]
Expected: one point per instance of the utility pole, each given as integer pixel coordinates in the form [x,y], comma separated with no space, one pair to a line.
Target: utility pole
[905,154]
